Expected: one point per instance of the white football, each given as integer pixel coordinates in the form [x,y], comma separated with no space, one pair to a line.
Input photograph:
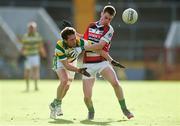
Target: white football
[130,16]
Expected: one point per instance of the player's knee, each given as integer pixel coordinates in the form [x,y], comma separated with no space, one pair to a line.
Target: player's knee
[64,81]
[87,99]
[36,77]
[67,84]
[115,84]
[67,87]
[26,76]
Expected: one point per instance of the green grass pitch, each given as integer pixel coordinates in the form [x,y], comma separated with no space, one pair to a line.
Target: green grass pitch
[154,103]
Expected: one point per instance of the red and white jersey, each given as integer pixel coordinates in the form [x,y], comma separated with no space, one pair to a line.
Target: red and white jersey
[95,33]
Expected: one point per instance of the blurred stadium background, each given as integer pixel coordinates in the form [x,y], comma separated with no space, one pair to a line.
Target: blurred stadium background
[150,49]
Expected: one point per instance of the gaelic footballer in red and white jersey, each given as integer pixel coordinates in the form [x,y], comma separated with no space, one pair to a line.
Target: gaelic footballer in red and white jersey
[95,33]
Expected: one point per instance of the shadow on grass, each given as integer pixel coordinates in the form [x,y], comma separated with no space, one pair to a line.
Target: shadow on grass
[101,123]
[61,121]
[91,122]
[123,120]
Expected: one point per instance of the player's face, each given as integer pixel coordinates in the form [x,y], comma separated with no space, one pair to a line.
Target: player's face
[71,41]
[31,29]
[106,18]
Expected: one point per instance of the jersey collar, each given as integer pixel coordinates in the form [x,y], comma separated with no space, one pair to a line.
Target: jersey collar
[65,44]
[98,24]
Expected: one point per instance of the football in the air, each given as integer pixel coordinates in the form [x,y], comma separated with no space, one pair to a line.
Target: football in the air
[130,16]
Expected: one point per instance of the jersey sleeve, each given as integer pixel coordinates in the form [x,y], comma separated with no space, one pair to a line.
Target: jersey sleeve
[24,39]
[39,38]
[108,35]
[60,52]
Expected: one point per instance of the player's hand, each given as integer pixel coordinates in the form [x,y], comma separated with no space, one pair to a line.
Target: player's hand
[21,58]
[75,52]
[84,72]
[116,63]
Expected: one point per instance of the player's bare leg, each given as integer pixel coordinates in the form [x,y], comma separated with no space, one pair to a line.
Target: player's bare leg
[63,87]
[36,75]
[27,77]
[87,89]
[64,84]
[67,87]
[109,74]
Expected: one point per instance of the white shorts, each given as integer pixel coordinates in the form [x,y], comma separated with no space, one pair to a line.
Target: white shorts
[94,68]
[32,61]
[59,65]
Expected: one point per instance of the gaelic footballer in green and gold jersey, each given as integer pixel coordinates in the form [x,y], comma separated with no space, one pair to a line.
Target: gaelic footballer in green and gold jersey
[62,58]
[62,51]
[31,43]
[32,47]
[65,68]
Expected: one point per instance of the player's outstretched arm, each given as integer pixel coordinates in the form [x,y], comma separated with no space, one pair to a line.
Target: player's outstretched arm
[105,55]
[96,46]
[75,69]
[87,46]
[110,59]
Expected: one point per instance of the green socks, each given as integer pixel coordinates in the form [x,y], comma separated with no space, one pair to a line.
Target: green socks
[122,104]
[56,102]
[90,108]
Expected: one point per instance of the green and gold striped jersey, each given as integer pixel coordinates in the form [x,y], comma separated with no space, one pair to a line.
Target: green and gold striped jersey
[31,43]
[62,50]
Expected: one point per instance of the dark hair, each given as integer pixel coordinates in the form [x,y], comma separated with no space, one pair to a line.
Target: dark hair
[109,9]
[67,31]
